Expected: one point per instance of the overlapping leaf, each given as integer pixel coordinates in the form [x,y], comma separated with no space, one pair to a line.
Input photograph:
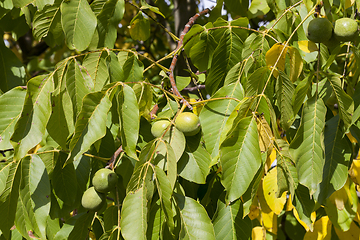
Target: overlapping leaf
[226,55]
[12,71]
[108,20]
[345,102]
[31,126]
[96,66]
[337,157]
[78,84]
[11,104]
[284,93]
[47,21]
[215,114]
[240,158]
[9,198]
[194,164]
[91,123]
[229,222]
[307,145]
[34,203]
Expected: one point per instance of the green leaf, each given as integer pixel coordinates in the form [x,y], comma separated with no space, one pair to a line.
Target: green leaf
[128,110]
[177,141]
[34,202]
[91,123]
[215,114]
[286,171]
[337,157]
[144,5]
[78,84]
[165,192]
[144,96]
[240,158]
[345,102]
[195,222]
[284,93]
[96,66]
[201,53]
[64,180]
[76,227]
[134,215]
[11,104]
[47,21]
[304,205]
[229,222]
[140,28]
[308,146]
[226,55]
[256,82]
[133,70]
[12,71]
[61,122]
[9,198]
[108,20]
[31,126]
[194,164]
[21,3]
[79,23]
[300,93]
[156,222]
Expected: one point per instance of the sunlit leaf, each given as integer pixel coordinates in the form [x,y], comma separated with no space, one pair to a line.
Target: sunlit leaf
[134,214]
[128,110]
[11,104]
[240,158]
[307,46]
[195,222]
[284,92]
[229,222]
[140,27]
[322,230]
[31,126]
[78,22]
[91,123]
[266,137]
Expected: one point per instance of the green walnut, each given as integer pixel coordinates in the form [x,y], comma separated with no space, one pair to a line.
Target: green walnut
[158,128]
[188,123]
[104,180]
[319,30]
[346,29]
[93,200]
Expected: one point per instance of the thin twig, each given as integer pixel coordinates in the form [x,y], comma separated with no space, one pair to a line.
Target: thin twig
[174,60]
[114,157]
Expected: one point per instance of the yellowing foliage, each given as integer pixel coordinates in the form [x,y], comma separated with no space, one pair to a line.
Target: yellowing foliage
[322,230]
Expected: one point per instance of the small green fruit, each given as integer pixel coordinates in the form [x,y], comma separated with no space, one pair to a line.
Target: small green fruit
[346,29]
[188,123]
[104,180]
[158,128]
[93,200]
[319,30]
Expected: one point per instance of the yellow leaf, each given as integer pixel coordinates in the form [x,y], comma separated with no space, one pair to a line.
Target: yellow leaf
[352,234]
[354,171]
[258,233]
[270,159]
[270,188]
[322,230]
[267,217]
[296,62]
[196,108]
[266,137]
[351,138]
[307,46]
[312,218]
[289,206]
[273,58]
[339,198]
[254,212]
[349,3]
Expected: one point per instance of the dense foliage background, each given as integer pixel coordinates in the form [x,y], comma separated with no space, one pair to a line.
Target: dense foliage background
[81,83]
